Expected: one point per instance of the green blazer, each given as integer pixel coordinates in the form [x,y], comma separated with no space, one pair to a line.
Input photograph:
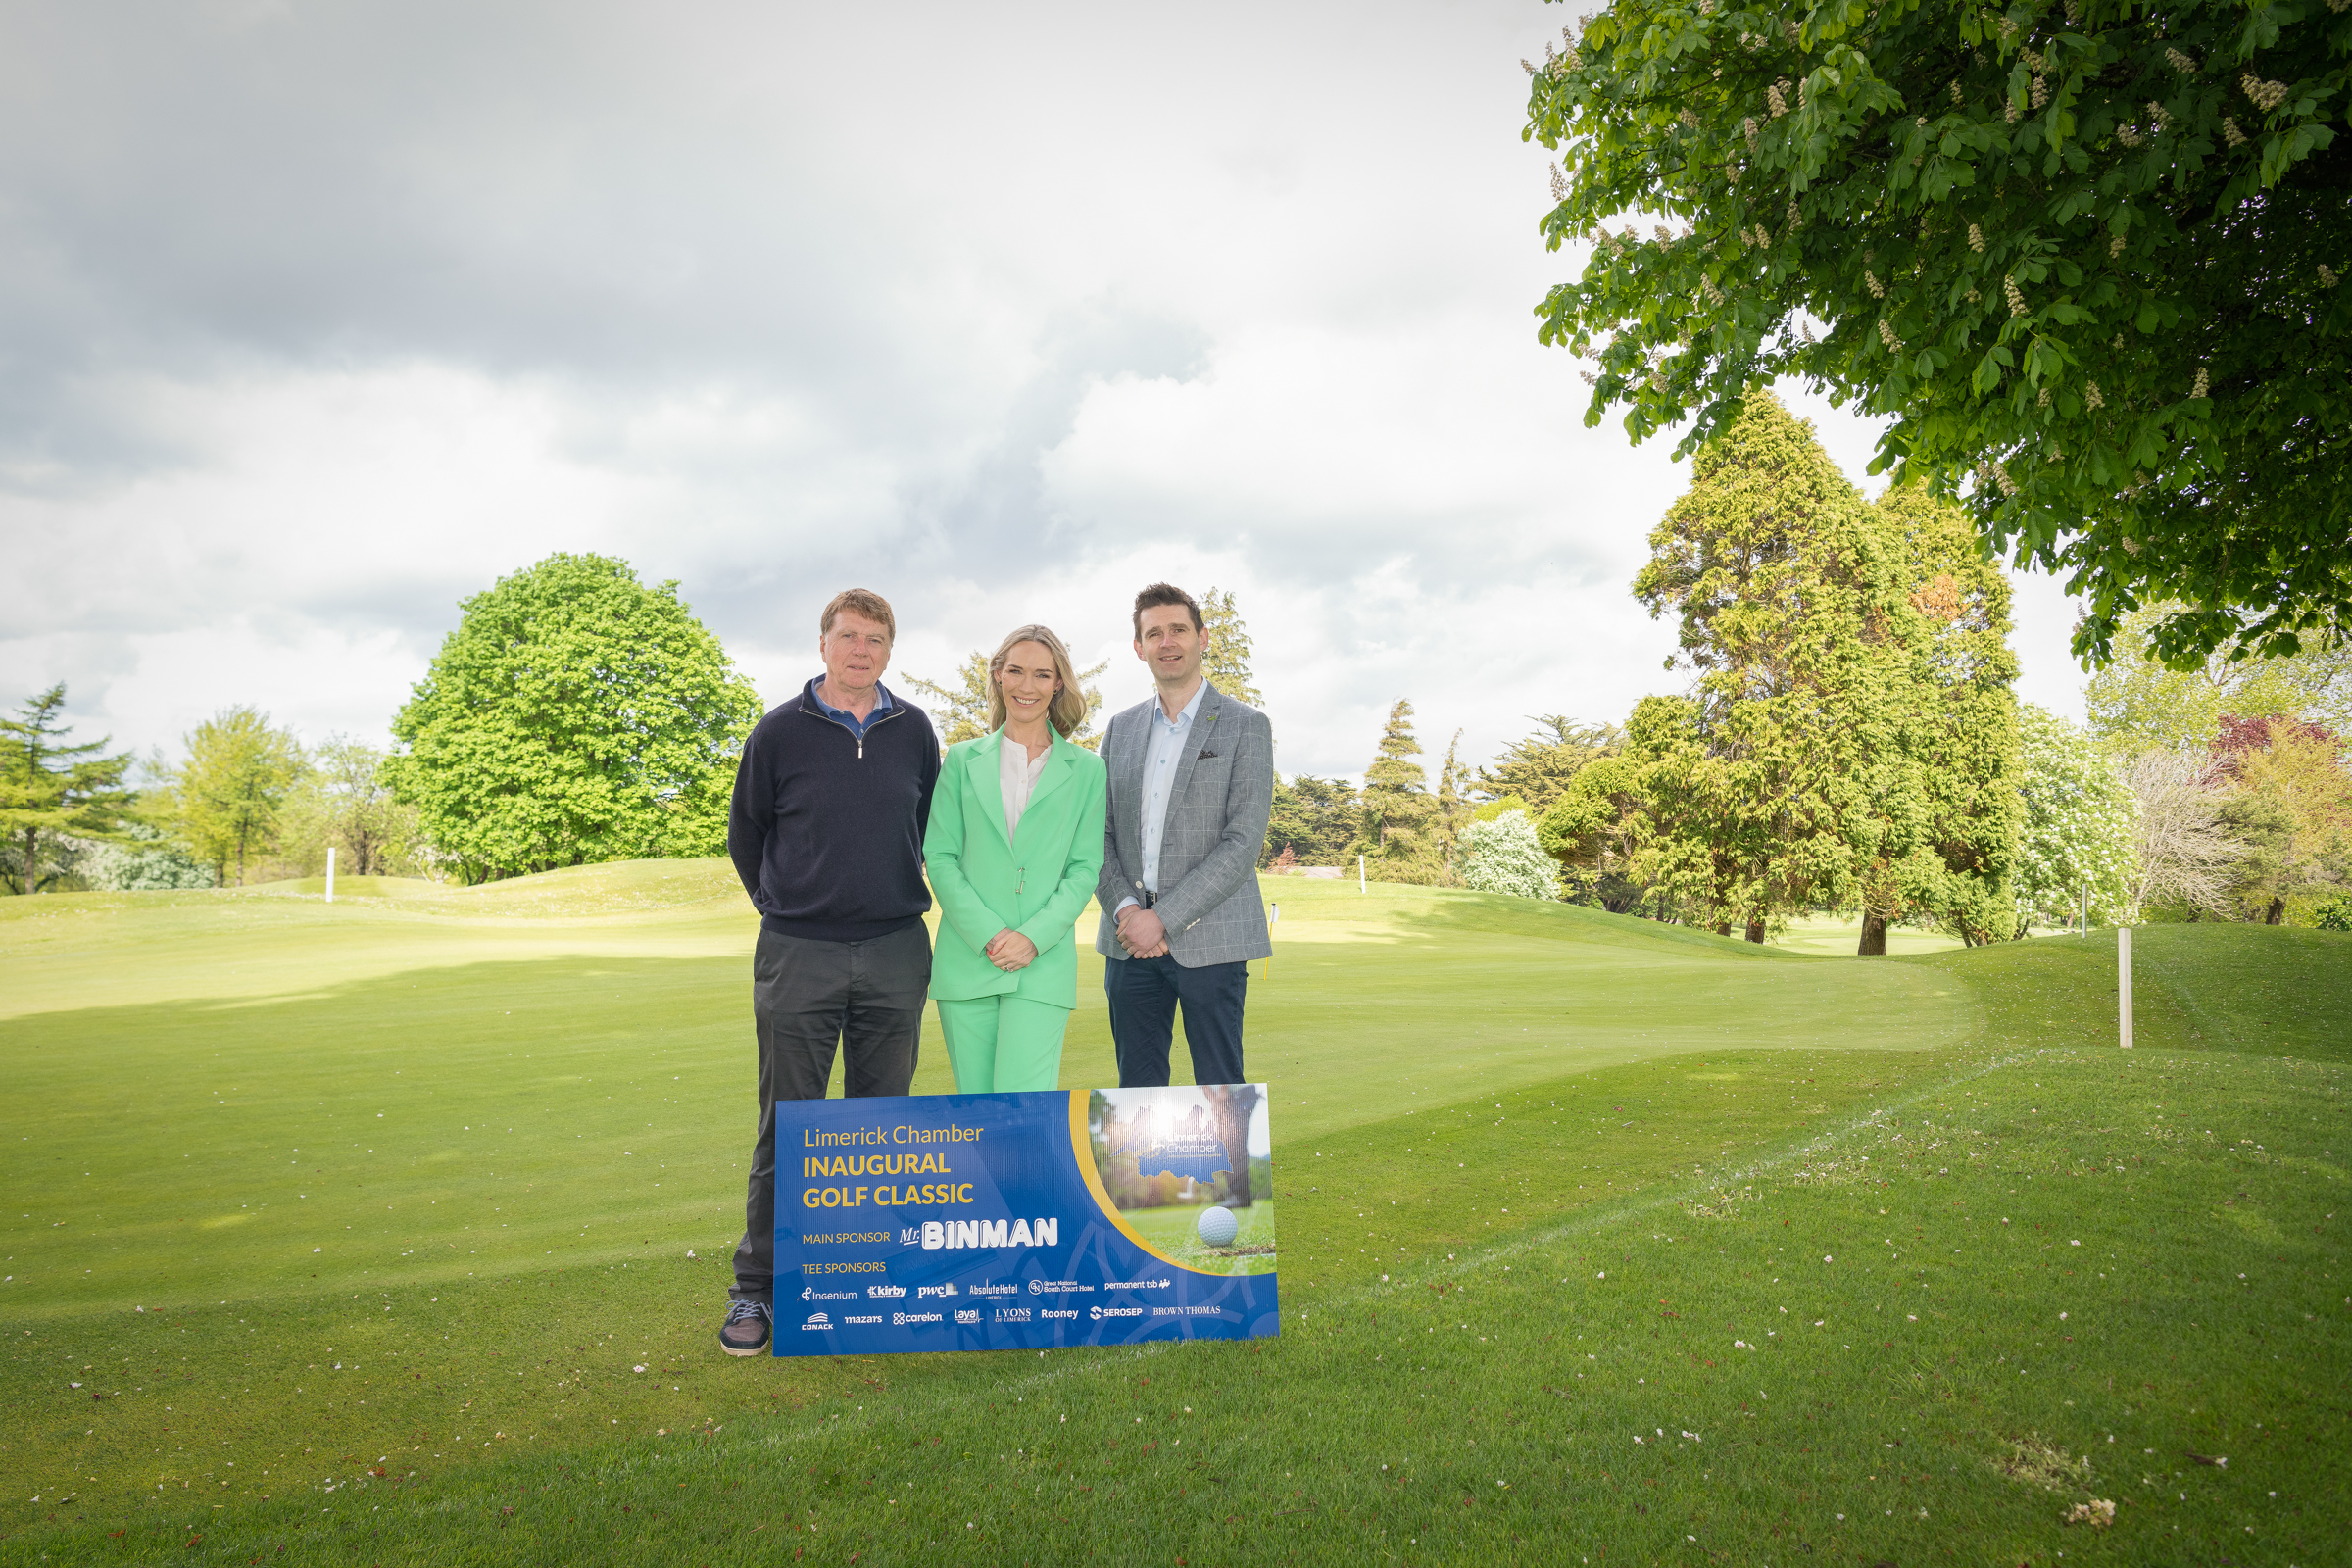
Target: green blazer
[1036,884]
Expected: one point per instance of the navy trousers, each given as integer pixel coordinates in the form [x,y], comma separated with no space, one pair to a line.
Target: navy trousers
[1144,994]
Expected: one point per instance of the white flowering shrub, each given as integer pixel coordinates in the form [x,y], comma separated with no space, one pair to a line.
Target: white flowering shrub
[155,864]
[2079,823]
[1503,857]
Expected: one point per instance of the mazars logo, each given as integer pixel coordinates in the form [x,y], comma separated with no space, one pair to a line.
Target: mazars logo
[817,1320]
[934,1289]
[886,1292]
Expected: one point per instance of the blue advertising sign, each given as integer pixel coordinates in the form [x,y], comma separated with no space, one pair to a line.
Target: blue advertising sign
[994,1222]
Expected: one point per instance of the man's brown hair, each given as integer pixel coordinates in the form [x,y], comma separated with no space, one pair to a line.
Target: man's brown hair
[1164,593]
[873,607]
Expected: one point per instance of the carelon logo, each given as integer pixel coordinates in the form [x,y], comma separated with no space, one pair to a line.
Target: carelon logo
[816,1320]
[897,1318]
[886,1292]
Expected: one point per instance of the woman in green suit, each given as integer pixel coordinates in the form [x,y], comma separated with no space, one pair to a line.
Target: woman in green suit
[1014,849]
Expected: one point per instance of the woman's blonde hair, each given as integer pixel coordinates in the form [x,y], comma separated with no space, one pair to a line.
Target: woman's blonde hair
[1067,711]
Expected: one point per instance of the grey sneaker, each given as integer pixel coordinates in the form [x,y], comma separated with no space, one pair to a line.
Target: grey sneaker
[746,1329]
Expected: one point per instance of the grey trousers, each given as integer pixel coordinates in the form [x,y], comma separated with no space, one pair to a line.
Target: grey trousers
[807,997]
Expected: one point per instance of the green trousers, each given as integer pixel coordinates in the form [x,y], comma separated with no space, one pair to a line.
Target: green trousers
[1004,1044]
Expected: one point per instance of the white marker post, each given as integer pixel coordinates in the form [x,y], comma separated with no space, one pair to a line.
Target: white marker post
[2123,976]
[1360,875]
[330,876]
[2083,920]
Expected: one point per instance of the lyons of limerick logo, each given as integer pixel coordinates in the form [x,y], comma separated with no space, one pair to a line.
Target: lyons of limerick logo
[816,1320]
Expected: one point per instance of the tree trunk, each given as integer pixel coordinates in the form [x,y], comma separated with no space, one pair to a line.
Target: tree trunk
[32,845]
[1723,928]
[1756,932]
[1874,937]
[2277,914]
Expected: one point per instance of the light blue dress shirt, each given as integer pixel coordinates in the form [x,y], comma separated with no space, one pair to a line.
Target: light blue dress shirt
[1164,754]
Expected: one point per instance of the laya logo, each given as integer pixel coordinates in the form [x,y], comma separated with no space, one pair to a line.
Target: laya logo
[886,1292]
[817,1320]
[967,1314]
[934,1289]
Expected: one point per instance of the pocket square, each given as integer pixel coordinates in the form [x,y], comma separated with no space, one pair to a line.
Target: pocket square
[1204,757]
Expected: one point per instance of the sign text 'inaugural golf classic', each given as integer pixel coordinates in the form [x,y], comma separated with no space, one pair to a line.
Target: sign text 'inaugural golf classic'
[900,1162]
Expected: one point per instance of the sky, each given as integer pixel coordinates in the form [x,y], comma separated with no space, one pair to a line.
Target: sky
[318,318]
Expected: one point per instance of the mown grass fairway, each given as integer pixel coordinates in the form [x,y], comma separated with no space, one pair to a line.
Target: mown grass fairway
[408,1190]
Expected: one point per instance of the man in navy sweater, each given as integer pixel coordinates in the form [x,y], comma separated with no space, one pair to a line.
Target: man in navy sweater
[826,831]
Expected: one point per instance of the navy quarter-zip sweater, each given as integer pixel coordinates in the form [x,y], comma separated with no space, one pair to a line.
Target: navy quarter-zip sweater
[826,830]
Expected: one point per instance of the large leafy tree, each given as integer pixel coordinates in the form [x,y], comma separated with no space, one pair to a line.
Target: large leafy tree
[1537,766]
[1947,824]
[2084,254]
[2291,808]
[1315,819]
[575,715]
[2138,703]
[228,799]
[1848,735]
[52,788]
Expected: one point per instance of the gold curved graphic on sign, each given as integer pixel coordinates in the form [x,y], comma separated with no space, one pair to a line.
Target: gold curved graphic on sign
[1082,1148]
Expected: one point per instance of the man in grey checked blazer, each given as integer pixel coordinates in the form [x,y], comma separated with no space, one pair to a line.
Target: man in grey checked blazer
[1192,782]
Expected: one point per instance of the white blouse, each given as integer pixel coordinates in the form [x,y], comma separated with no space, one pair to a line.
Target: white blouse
[1017,773]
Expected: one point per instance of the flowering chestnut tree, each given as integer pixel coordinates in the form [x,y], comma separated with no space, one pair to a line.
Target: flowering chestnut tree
[2085,253]
[2075,843]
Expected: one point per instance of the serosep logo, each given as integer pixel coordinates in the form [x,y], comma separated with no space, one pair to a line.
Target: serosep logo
[1098,1313]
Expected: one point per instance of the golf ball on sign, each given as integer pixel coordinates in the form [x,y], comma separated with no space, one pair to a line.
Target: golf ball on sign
[1218,1227]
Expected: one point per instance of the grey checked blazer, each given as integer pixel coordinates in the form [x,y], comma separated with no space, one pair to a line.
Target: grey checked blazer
[1216,825]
